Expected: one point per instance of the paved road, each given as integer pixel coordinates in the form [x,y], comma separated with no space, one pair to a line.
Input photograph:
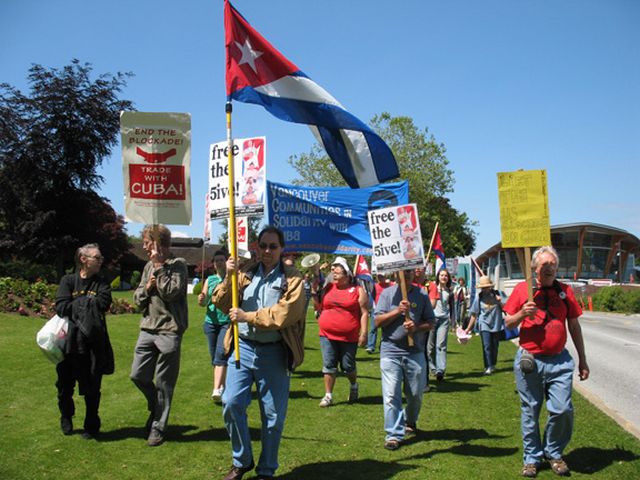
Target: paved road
[612,343]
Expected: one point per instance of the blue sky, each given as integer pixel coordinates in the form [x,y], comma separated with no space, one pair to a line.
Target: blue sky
[504,84]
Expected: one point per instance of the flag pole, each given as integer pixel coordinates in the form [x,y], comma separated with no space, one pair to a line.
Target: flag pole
[426,259]
[233,240]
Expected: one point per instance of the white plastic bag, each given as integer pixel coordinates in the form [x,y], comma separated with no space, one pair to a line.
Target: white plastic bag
[51,338]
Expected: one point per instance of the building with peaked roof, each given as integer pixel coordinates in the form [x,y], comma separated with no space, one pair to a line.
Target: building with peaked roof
[589,252]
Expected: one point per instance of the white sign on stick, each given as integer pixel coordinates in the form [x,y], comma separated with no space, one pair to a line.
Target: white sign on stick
[250,177]
[156,160]
[395,238]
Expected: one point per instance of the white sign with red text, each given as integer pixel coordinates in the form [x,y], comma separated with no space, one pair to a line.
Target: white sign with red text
[250,155]
[156,160]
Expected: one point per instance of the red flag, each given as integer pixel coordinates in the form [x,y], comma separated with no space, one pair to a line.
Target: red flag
[437,248]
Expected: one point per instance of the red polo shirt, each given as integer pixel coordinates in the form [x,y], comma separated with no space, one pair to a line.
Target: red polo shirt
[546,334]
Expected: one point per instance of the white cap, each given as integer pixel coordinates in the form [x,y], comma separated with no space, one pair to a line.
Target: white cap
[343,263]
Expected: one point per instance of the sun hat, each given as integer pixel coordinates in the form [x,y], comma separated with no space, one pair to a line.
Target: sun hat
[485,282]
[343,263]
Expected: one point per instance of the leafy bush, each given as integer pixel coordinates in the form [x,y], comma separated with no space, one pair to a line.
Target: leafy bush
[26,298]
[616,299]
[39,298]
[197,288]
[135,279]
[120,305]
[27,271]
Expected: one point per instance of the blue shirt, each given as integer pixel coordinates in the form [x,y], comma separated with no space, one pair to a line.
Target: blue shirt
[488,312]
[263,291]
[394,336]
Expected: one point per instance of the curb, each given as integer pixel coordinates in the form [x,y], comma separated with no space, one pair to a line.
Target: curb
[613,414]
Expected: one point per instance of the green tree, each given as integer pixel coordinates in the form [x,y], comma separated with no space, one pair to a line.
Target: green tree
[52,142]
[422,161]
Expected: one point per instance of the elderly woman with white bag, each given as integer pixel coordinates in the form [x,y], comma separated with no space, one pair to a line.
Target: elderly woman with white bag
[84,298]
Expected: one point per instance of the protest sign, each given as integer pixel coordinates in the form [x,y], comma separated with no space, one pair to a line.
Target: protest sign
[329,219]
[249,165]
[396,238]
[156,159]
[524,208]
[524,214]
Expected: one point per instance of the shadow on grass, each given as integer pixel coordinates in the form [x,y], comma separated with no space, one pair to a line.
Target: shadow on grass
[592,459]
[452,386]
[346,470]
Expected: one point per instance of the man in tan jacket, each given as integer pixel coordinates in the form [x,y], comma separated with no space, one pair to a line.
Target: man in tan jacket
[271,334]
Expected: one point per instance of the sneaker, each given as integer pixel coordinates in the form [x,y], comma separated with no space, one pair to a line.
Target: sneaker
[353,393]
[410,429]
[326,401]
[440,376]
[66,425]
[530,470]
[216,395]
[392,444]
[370,350]
[426,388]
[559,467]
[155,438]
[488,371]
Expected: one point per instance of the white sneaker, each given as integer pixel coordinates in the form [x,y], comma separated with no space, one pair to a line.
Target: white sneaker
[326,401]
[488,371]
[217,394]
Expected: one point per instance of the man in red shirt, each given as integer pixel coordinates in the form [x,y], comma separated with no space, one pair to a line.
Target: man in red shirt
[543,367]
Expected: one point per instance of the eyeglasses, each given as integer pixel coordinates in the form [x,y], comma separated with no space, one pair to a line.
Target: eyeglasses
[270,246]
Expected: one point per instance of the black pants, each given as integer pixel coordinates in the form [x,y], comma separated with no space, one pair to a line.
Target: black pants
[77,368]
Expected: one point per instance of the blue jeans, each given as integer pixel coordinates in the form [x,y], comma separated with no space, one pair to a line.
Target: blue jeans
[551,380]
[335,352]
[215,341]
[437,345]
[266,366]
[490,344]
[372,338]
[395,371]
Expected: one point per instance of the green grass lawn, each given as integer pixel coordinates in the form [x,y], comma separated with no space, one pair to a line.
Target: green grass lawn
[470,423]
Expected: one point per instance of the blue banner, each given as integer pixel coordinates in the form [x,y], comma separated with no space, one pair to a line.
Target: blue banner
[329,219]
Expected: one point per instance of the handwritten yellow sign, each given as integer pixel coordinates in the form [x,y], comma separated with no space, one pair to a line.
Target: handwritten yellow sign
[524,208]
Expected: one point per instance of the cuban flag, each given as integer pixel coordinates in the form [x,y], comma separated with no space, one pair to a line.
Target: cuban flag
[258,73]
[438,250]
[361,269]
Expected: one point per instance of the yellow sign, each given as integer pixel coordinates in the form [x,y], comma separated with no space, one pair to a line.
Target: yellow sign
[524,208]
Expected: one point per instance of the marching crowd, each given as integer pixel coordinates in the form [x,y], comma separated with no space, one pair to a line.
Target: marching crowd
[412,316]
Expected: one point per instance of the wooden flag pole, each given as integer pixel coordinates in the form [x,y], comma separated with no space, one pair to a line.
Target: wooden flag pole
[233,239]
[527,267]
[426,259]
[403,288]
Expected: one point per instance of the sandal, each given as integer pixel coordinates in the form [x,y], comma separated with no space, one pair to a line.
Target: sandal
[559,467]
[392,444]
[529,470]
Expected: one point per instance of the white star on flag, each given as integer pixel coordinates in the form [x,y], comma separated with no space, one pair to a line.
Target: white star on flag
[249,55]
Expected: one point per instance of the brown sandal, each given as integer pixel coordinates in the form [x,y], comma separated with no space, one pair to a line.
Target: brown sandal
[559,467]
[529,470]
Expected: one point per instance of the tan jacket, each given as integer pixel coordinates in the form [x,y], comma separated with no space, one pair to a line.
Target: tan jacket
[287,316]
